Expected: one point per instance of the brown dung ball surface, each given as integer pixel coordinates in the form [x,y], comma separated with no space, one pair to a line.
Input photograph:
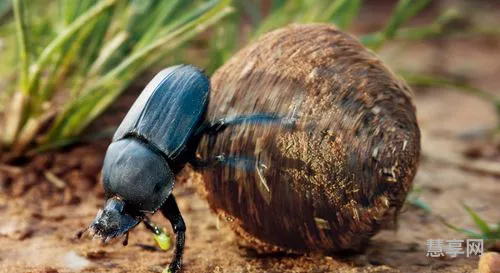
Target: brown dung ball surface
[331,179]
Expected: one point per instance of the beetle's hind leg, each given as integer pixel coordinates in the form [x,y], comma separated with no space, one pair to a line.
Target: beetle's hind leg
[221,124]
[171,211]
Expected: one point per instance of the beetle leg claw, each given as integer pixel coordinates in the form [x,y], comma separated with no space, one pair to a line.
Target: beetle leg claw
[125,239]
[81,232]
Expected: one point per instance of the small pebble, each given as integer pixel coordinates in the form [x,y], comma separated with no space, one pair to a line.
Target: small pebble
[47,270]
[489,263]
[95,254]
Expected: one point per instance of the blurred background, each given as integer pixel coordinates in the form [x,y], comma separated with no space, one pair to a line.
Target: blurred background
[70,70]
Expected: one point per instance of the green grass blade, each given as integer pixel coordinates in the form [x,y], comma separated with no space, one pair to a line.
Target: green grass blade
[483,226]
[419,203]
[18,105]
[405,10]
[193,25]
[64,36]
[468,232]
[94,40]
[70,55]
[188,17]
[114,92]
[107,52]
[77,115]
[436,81]
[332,10]
[343,12]
[440,27]
[164,12]
[24,51]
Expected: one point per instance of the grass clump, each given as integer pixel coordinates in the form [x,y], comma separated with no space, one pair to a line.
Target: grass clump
[76,57]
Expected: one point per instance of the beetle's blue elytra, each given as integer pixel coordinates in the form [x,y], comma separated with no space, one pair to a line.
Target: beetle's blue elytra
[169,109]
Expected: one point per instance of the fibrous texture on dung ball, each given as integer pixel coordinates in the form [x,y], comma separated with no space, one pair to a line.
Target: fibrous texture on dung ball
[331,179]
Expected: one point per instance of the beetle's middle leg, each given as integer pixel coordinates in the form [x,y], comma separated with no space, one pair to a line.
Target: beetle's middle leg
[171,211]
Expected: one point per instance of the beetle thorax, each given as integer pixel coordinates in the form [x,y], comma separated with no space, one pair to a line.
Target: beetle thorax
[138,175]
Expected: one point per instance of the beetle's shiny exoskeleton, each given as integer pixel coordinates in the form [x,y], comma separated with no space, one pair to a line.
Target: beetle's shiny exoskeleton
[157,137]
[150,146]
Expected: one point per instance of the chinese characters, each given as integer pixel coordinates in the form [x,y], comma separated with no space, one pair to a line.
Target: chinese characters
[438,248]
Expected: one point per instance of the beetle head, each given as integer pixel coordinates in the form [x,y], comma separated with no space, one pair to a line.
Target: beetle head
[114,220]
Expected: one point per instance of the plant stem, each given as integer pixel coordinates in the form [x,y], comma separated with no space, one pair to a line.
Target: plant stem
[13,118]
[22,43]
[17,105]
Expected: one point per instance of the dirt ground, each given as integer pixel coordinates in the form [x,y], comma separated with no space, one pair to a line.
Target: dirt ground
[37,233]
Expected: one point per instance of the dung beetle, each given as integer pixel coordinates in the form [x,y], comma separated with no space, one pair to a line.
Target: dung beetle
[157,137]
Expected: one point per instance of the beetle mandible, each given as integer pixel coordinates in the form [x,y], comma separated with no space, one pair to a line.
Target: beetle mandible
[157,137]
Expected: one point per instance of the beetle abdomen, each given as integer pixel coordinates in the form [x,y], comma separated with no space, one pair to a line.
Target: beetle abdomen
[331,181]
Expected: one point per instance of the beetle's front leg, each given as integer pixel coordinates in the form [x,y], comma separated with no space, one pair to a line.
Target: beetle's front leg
[172,213]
